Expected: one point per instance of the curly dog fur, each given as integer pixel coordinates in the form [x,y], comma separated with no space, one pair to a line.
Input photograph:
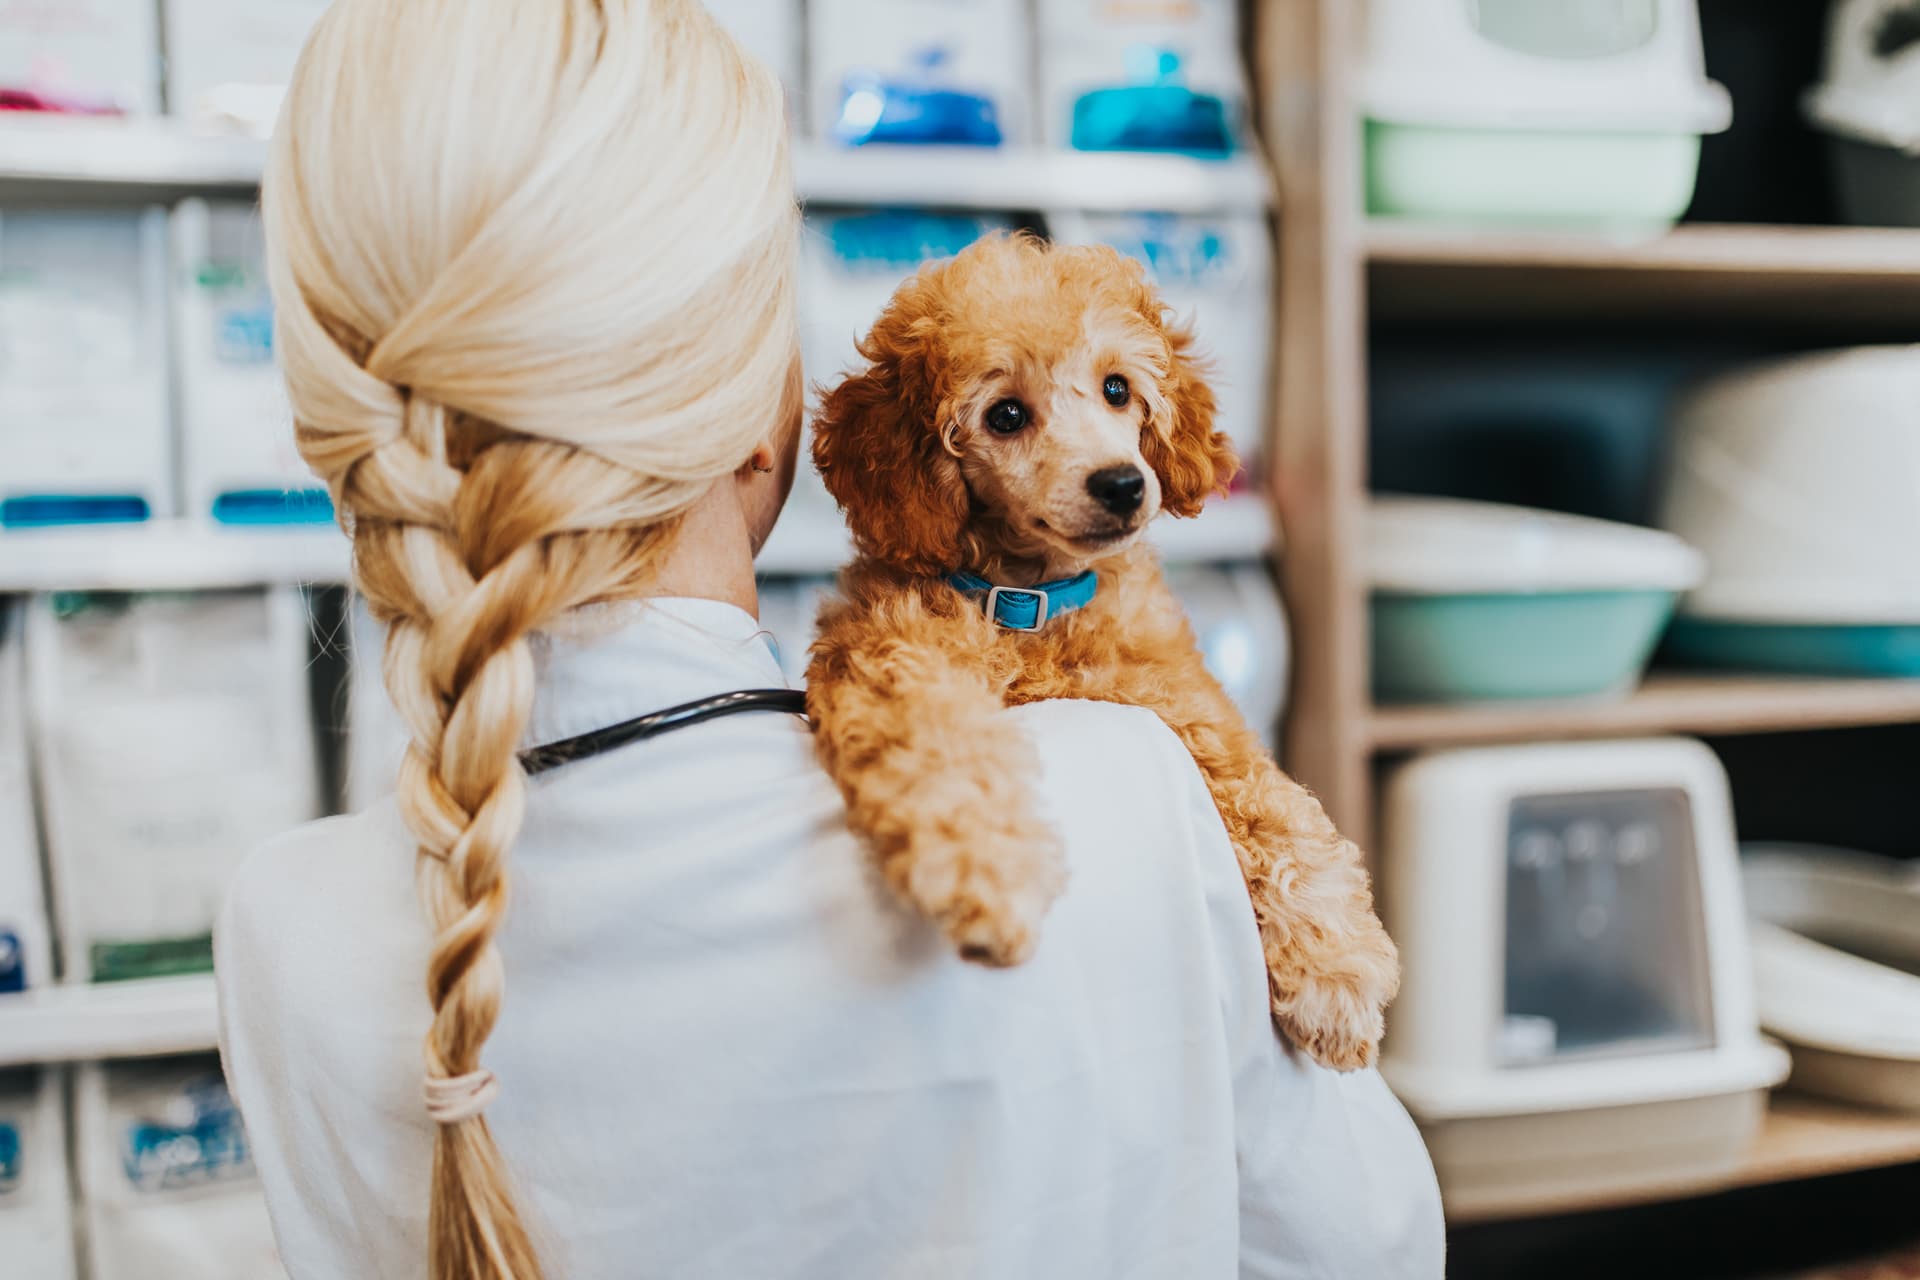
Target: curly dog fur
[908,674]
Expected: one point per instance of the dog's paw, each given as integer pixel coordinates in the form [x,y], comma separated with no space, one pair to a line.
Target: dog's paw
[1338,1017]
[991,909]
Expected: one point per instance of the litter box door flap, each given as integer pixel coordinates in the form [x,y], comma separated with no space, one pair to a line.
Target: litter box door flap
[1605,948]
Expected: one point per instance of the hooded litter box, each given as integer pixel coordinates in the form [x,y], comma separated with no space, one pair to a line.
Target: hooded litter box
[1797,479]
[1536,111]
[1578,1014]
[1475,600]
[1868,105]
[1836,943]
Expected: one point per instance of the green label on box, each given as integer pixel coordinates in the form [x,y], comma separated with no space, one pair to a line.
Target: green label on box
[155,958]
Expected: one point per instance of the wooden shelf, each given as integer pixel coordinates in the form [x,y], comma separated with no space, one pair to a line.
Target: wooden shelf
[1783,277]
[1801,1137]
[1666,703]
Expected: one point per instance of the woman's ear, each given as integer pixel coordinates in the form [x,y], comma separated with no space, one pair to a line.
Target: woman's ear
[882,455]
[1193,461]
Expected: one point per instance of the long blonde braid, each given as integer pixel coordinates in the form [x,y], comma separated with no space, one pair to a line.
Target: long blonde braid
[532,265]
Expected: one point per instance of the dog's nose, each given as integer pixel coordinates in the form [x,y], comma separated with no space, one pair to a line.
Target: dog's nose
[1118,489]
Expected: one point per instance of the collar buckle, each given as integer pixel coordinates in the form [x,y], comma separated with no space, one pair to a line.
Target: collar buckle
[1017,596]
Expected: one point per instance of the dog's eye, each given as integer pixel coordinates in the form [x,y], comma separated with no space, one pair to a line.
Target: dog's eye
[1116,391]
[1007,417]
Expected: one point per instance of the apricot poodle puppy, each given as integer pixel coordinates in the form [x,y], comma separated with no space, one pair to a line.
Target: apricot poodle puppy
[1025,411]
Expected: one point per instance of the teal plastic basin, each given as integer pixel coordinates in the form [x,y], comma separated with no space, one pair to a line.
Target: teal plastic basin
[1528,176]
[1454,648]
[1808,648]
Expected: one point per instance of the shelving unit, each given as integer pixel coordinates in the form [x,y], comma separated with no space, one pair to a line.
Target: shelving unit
[108,1020]
[158,161]
[179,555]
[1340,274]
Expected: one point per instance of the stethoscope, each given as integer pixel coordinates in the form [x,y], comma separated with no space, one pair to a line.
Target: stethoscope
[654,723]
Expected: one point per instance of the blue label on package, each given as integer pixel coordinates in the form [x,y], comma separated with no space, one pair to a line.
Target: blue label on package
[210,1147]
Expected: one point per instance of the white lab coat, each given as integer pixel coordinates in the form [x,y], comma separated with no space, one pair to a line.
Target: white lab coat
[725,1052]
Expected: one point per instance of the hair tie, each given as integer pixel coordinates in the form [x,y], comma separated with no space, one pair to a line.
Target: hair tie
[451,1099]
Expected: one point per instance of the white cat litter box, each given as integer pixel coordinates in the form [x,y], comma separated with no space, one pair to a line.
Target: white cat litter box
[1836,941]
[1796,478]
[1478,600]
[1536,111]
[1578,1011]
[83,368]
[1216,274]
[238,459]
[1868,105]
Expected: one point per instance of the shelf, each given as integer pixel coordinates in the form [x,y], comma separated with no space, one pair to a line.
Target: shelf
[109,1020]
[184,555]
[1801,1137]
[1793,277]
[1666,702]
[160,160]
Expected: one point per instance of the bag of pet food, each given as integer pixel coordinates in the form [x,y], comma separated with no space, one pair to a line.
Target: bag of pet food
[166,1177]
[1216,273]
[1142,75]
[36,1211]
[173,736]
[26,951]
[850,264]
[920,71]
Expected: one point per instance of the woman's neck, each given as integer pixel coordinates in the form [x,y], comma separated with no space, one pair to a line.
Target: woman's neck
[711,557]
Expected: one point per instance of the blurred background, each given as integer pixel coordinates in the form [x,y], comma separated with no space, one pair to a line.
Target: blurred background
[1573,560]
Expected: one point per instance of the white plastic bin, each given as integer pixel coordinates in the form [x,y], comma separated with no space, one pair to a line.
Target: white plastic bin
[1536,111]
[26,943]
[82,56]
[172,737]
[238,460]
[1868,105]
[946,72]
[1796,478]
[1216,273]
[229,61]
[83,367]
[1578,1009]
[166,1176]
[1142,75]
[36,1208]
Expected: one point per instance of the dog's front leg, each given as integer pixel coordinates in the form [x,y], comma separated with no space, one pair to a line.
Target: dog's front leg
[1331,969]
[936,779]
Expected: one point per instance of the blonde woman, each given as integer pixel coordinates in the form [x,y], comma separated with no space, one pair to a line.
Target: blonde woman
[633,1008]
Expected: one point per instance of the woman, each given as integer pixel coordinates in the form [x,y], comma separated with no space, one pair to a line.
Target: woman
[533,261]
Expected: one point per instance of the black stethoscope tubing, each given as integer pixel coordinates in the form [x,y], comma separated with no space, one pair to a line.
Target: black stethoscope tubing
[538,760]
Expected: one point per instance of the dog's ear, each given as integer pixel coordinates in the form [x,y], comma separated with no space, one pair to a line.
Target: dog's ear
[880,448]
[1192,460]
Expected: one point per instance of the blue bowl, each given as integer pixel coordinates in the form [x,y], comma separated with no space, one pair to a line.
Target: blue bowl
[1825,649]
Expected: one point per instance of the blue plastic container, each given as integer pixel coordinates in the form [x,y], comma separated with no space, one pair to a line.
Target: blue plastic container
[1826,649]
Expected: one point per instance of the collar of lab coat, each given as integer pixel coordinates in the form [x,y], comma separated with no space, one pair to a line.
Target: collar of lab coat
[611,663]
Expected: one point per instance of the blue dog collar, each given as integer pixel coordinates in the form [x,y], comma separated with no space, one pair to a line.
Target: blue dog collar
[1028,608]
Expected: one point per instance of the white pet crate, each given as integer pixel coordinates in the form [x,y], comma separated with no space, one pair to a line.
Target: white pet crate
[1578,1013]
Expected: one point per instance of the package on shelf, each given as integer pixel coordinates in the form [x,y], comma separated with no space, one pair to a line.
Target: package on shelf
[1241,625]
[228,61]
[83,367]
[770,30]
[1216,273]
[87,57]
[376,736]
[850,264]
[789,608]
[26,950]
[172,735]
[1142,75]
[921,71]
[237,455]
[166,1176]
[36,1210]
